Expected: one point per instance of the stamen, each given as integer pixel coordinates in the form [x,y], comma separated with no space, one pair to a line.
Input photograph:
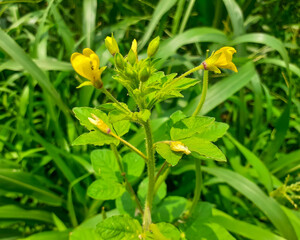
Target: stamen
[204,65]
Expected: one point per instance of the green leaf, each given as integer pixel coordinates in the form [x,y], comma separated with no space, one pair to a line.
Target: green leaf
[105,190]
[96,138]
[163,231]
[119,228]
[264,175]
[16,181]
[164,150]
[161,8]
[83,113]
[170,209]
[9,212]
[204,148]
[122,127]
[125,204]
[18,54]
[50,235]
[242,228]
[134,166]
[194,35]
[80,234]
[266,39]
[144,115]
[266,204]
[213,132]
[143,188]
[199,224]
[189,126]
[105,165]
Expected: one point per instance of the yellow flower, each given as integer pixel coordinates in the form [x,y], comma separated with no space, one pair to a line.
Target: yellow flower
[220,59]
[134,46]
[87,65]
[178,146]
[102,126]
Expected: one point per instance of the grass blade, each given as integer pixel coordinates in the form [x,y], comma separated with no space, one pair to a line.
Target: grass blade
[162,7]
[251,191]
[17,53]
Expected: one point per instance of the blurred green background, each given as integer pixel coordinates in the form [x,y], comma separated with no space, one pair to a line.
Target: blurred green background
[43,178]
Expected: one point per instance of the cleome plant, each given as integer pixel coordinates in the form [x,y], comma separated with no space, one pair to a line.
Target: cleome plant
[120,165]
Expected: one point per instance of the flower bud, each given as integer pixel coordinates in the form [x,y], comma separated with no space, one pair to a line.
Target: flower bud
[178,146]
[102,126]
[153,47]
[119,61]
[134,46]
[144,74]
[131,57]
[112,45]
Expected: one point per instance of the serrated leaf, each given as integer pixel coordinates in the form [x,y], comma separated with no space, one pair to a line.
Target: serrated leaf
[96,138]
[204,148]
[213,132]
[105,190]
[134,166]
[105,165]
[170,209]
[163,149]
[160,194]
[189,126]
[119,228]
[83,113]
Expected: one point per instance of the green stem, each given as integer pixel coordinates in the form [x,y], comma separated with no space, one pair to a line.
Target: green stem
[133,148]
[151,175]
[203,94]
[129,187]
[198,172]
[197,191]
[200,67]
[112,98]
[186,15]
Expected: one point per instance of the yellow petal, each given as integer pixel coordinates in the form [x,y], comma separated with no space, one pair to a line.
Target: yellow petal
[95,61]
[134,46]
[88,52]
[178,146]
[85,83]
[82,65]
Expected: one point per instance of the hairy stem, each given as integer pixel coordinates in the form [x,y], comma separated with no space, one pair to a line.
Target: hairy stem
[151,175]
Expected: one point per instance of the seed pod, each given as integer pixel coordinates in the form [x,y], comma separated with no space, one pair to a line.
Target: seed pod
[153,47]
[144,74]
[112,45]
[119,61]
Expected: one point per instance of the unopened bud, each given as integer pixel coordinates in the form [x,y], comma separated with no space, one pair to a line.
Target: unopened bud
[99,124]
[131,57]
[119,61]
[144,74]
[112,45]
[153,47]
[134,46]
[178,146]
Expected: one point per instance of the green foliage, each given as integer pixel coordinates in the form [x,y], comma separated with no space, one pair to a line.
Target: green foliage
[54,179]
[119,227]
